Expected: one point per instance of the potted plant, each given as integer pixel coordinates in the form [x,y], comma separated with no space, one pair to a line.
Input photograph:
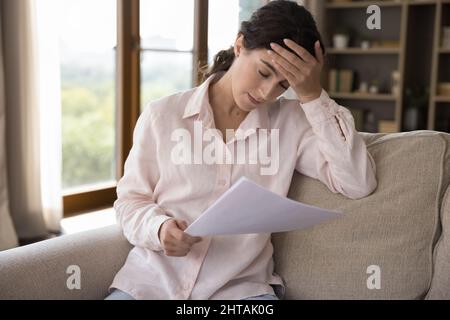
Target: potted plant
[341,37]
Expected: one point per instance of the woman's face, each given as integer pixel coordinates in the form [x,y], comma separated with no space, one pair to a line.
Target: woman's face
[253,74]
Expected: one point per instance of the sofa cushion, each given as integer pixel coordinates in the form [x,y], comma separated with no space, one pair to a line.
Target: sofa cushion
[390,234]
[440,285]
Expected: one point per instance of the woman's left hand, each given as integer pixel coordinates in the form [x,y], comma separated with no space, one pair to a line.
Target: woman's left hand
[303,74]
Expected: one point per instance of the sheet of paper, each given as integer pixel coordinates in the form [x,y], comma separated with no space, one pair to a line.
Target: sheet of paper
[249,208]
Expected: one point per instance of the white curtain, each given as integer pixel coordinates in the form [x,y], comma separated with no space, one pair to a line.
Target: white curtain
[33,126]
[8,237]
[50,112]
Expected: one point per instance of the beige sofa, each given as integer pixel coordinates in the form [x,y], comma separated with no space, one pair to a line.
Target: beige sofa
[397,238]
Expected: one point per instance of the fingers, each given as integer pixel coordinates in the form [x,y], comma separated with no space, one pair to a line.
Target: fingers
[305,57]
[289,57]
[177,242]
[177,246]
[302,52]
[175,252]
[181,224]
[173,247]
[186,237]
[283,67]
[319,52]
[183,237]
[285,73]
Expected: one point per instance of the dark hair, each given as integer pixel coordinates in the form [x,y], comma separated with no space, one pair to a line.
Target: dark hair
[273,22]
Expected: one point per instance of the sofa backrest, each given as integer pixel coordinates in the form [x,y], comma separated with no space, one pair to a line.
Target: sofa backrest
[384,245]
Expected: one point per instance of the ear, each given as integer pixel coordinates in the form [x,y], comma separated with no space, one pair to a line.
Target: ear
[238,44]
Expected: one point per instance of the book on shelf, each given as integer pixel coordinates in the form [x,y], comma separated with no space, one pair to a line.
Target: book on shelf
[340,80]
[387,126]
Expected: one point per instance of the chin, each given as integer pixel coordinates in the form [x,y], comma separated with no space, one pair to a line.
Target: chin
[245,106]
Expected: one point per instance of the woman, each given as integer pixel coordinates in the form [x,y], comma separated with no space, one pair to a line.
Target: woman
[158,196]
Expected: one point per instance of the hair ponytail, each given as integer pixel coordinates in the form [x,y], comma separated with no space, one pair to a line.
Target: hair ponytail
[222,62]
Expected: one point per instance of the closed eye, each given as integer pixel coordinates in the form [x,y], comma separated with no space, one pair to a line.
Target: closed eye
[266,76]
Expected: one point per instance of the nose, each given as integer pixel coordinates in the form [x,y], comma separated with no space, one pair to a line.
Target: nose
[265,91]
[262,95]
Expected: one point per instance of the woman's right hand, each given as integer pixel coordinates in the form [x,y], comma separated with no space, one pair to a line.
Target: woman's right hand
[174,240]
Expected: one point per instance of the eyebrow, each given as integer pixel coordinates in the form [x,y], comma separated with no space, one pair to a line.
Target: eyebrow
[271,68]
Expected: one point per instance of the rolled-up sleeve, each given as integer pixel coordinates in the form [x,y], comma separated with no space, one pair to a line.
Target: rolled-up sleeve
[136,210]
[332,151]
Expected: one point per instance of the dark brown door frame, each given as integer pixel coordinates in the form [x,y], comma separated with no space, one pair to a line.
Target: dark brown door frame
[200,54]
[128,78]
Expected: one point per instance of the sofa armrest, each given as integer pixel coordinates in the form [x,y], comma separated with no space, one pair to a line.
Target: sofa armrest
[39,270]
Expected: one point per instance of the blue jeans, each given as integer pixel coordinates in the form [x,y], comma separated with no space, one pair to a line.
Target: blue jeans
[120,295]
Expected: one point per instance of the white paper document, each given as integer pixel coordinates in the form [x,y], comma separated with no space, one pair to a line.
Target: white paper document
[249,208]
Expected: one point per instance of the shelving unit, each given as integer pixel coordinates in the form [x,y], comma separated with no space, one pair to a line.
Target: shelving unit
[364,96]
[363,4]
[419,58]
[438,109]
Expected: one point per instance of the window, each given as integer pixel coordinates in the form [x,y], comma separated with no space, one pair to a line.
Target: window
[167,33]
[87,64]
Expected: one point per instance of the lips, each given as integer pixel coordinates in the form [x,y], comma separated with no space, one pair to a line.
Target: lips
[253,100]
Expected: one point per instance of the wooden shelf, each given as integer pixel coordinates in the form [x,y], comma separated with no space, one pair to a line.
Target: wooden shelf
[365,4]
[357,50]
[362,4]
[419,57]
[421,2]
[442,98]
[363,96]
